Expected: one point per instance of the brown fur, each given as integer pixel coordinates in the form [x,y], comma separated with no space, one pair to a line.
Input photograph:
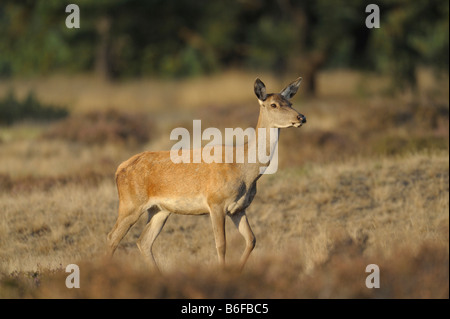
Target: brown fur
[151,182]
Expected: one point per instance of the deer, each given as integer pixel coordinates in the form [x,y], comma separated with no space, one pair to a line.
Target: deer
[150,182]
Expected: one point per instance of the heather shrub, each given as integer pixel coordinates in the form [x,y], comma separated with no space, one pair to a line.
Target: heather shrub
[100,127]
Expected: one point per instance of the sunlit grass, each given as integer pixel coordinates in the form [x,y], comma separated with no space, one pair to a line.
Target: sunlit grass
[364,181]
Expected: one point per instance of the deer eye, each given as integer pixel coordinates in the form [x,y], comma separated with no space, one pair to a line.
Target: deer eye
[273,105]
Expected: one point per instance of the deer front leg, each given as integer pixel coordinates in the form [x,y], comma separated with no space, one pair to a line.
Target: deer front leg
[218,224]
[240,221]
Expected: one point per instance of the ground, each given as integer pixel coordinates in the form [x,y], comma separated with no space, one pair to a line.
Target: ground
[365,181]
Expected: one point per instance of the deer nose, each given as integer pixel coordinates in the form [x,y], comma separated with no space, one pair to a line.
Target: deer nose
[301,118]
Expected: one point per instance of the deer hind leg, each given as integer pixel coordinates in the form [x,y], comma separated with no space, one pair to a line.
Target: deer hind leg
[128,216]
[241,222]
[156,220]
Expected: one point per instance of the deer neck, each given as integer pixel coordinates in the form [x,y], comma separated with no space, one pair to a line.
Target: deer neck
[265,143]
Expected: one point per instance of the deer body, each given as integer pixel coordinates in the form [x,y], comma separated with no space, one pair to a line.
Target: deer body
[152,182]
[189,189]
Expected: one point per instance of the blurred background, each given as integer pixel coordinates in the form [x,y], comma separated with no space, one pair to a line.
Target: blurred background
[366,177]
[121,39]
[178,60]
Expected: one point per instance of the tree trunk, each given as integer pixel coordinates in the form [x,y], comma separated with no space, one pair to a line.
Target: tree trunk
[103,65]
[310,66]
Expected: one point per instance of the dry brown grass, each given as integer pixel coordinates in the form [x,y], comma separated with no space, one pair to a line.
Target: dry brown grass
[84,93]
[316,228]
[365,181]
[410,275]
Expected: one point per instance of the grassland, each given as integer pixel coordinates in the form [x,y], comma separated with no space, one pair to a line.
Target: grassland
[366,181]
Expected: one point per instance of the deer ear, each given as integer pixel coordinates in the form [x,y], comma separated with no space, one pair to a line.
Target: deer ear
[290,90]
[260,90]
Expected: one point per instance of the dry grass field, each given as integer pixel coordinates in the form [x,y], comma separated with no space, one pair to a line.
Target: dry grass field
[365,181]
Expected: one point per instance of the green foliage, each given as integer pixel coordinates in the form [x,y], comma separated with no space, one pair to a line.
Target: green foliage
[128,38]
[278,35]
[411,35]
[13,110]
